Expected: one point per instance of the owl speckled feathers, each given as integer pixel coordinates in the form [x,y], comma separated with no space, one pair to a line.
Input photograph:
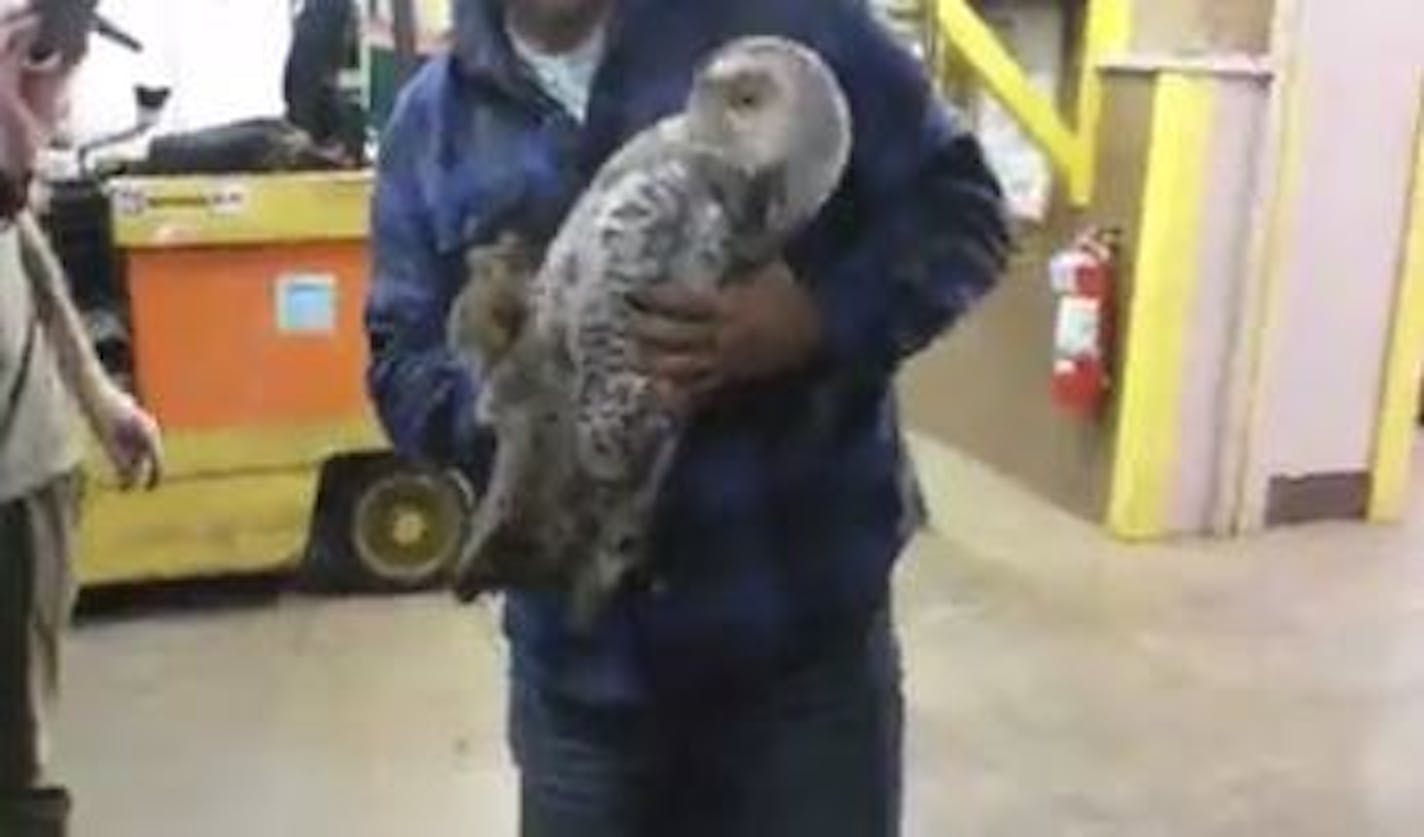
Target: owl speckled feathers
[583,439]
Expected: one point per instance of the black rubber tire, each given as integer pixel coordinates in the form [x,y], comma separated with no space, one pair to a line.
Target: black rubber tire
[382,525]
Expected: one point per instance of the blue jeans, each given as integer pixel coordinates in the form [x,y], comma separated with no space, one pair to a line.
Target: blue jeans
[815,754]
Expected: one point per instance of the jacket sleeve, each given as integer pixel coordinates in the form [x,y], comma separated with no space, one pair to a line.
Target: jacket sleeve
[919,227]
[424,394]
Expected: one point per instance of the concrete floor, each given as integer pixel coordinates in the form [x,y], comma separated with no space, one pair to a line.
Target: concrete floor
[1059,685]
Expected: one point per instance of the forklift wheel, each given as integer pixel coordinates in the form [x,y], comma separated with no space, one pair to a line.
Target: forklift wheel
[382,525]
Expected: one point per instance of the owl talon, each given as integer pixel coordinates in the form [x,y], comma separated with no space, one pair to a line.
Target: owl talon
[489,313]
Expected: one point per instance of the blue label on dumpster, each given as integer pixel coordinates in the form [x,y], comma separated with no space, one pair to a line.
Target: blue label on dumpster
[306,304]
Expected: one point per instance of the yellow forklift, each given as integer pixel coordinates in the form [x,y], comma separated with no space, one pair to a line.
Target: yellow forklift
[231,302]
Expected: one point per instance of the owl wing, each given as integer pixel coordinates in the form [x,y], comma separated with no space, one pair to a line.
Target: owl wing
[656,223]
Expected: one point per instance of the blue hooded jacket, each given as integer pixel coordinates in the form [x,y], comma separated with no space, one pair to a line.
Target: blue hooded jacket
[783,517]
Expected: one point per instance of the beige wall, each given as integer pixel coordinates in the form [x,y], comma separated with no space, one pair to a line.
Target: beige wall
[1361,83]
[1202,25]
[984,389]
[1233,169]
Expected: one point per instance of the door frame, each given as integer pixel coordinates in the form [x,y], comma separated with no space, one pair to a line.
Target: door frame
[1398,421]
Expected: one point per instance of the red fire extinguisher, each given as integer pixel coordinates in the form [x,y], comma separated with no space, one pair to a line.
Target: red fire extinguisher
[1083,280]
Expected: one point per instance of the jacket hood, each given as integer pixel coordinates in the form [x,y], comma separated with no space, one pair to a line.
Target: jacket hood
[479,43]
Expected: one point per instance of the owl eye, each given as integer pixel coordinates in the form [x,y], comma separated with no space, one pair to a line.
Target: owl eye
[745,99]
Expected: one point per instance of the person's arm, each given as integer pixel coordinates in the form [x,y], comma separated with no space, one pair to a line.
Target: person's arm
[31,100]
[424,393]
[914,237]
[129,435]
[925,231]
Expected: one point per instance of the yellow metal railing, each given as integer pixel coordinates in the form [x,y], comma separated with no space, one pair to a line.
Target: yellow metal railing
[1071,147]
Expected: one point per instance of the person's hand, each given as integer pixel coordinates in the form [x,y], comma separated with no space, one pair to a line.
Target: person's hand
[31,94]
[131,439]
[756,328]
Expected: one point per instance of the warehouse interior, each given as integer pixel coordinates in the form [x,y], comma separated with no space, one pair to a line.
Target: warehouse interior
[1190,607]
[1059,682]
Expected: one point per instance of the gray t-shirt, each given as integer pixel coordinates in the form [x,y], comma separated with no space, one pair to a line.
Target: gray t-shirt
[42,443]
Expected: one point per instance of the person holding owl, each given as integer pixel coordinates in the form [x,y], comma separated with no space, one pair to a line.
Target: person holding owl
[749,683]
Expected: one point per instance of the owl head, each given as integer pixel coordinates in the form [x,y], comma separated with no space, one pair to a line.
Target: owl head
[774,110]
